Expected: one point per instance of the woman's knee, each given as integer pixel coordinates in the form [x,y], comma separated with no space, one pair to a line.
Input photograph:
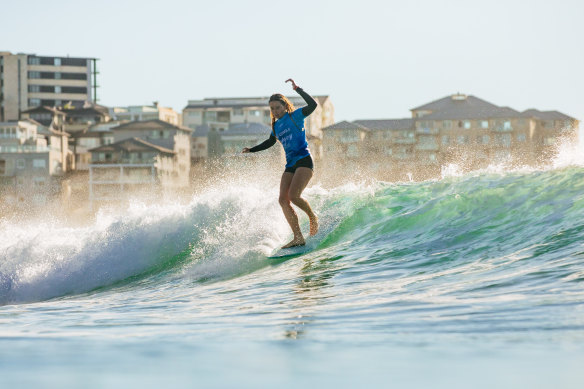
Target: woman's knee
[284,200]
[295,199]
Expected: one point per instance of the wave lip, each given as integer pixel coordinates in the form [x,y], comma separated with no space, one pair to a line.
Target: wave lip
[37,265]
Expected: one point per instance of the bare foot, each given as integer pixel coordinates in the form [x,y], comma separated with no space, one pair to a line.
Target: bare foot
[294,242]
[313,225]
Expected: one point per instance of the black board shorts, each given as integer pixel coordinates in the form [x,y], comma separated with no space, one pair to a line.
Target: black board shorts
[304,162]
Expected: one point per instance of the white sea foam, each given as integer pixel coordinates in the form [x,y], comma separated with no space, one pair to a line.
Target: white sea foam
[39,261]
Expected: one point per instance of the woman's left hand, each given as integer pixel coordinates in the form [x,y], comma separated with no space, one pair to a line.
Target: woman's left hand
[294,86]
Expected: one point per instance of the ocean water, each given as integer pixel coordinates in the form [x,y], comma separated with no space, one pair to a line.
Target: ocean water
[472,280]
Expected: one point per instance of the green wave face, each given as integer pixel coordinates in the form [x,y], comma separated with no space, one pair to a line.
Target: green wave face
[227,233]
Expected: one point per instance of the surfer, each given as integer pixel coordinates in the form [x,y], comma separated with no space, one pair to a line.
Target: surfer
[288,128]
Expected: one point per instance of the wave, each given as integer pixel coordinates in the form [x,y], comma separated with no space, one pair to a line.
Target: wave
[226,232]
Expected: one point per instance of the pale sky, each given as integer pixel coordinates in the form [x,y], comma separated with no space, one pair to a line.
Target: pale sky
[376,59]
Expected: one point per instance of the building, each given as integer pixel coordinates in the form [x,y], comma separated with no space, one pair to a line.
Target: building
[152,153]
[29,80]
[32,163]
[238,136]
[219,113]
[461,129]
[146,112]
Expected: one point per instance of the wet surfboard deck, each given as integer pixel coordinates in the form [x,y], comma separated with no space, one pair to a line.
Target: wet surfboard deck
[290,252]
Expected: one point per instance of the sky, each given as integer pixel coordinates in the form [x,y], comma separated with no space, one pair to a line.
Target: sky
[375,59]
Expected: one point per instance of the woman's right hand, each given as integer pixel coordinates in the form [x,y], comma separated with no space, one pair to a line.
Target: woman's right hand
[245,150]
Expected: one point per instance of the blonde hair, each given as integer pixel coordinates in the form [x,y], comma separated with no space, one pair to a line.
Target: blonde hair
[288,106]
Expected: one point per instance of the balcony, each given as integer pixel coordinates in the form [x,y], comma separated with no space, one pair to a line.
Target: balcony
[24,149]
[427,130]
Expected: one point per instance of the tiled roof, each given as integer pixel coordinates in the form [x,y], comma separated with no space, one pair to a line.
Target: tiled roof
[545,115]
[345,125]
[457,101]
[132,144]
[44,108]
[200,131]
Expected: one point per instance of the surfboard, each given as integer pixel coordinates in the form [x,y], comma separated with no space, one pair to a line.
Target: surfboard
[312,242]
[290,252]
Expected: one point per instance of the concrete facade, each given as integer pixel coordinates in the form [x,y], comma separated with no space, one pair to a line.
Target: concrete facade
[29,80]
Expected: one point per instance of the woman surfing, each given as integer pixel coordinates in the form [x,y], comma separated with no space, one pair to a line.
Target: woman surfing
[288,128]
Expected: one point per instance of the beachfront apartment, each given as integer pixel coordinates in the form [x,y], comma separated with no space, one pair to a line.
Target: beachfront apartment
[33,160]
[218,114]
[458,129]
[146,157]
[30,80]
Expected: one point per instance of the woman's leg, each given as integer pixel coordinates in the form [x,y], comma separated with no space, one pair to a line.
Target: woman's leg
[301,178]
[289,213]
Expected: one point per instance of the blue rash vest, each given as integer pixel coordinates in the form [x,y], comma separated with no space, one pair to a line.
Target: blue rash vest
[289,130]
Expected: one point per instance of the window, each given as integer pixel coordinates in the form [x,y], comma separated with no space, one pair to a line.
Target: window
[58,75]
[57,61]
[20,163]
[57,89]
[462,139]
[73,61]
[254,112]
[34,88]
[194,114]
[73,76]
[34,75]
[445,140]
[485,124]
[34,61]
[467,124]
[210,115]
[39,163]
[507,125]
[72,89]
[503,140]
[447,124]
[521,138]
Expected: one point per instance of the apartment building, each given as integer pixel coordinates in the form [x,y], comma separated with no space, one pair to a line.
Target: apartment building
[30,80]
[217,114]
[146,112]
[461,129]
[32,163]
[151,155]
